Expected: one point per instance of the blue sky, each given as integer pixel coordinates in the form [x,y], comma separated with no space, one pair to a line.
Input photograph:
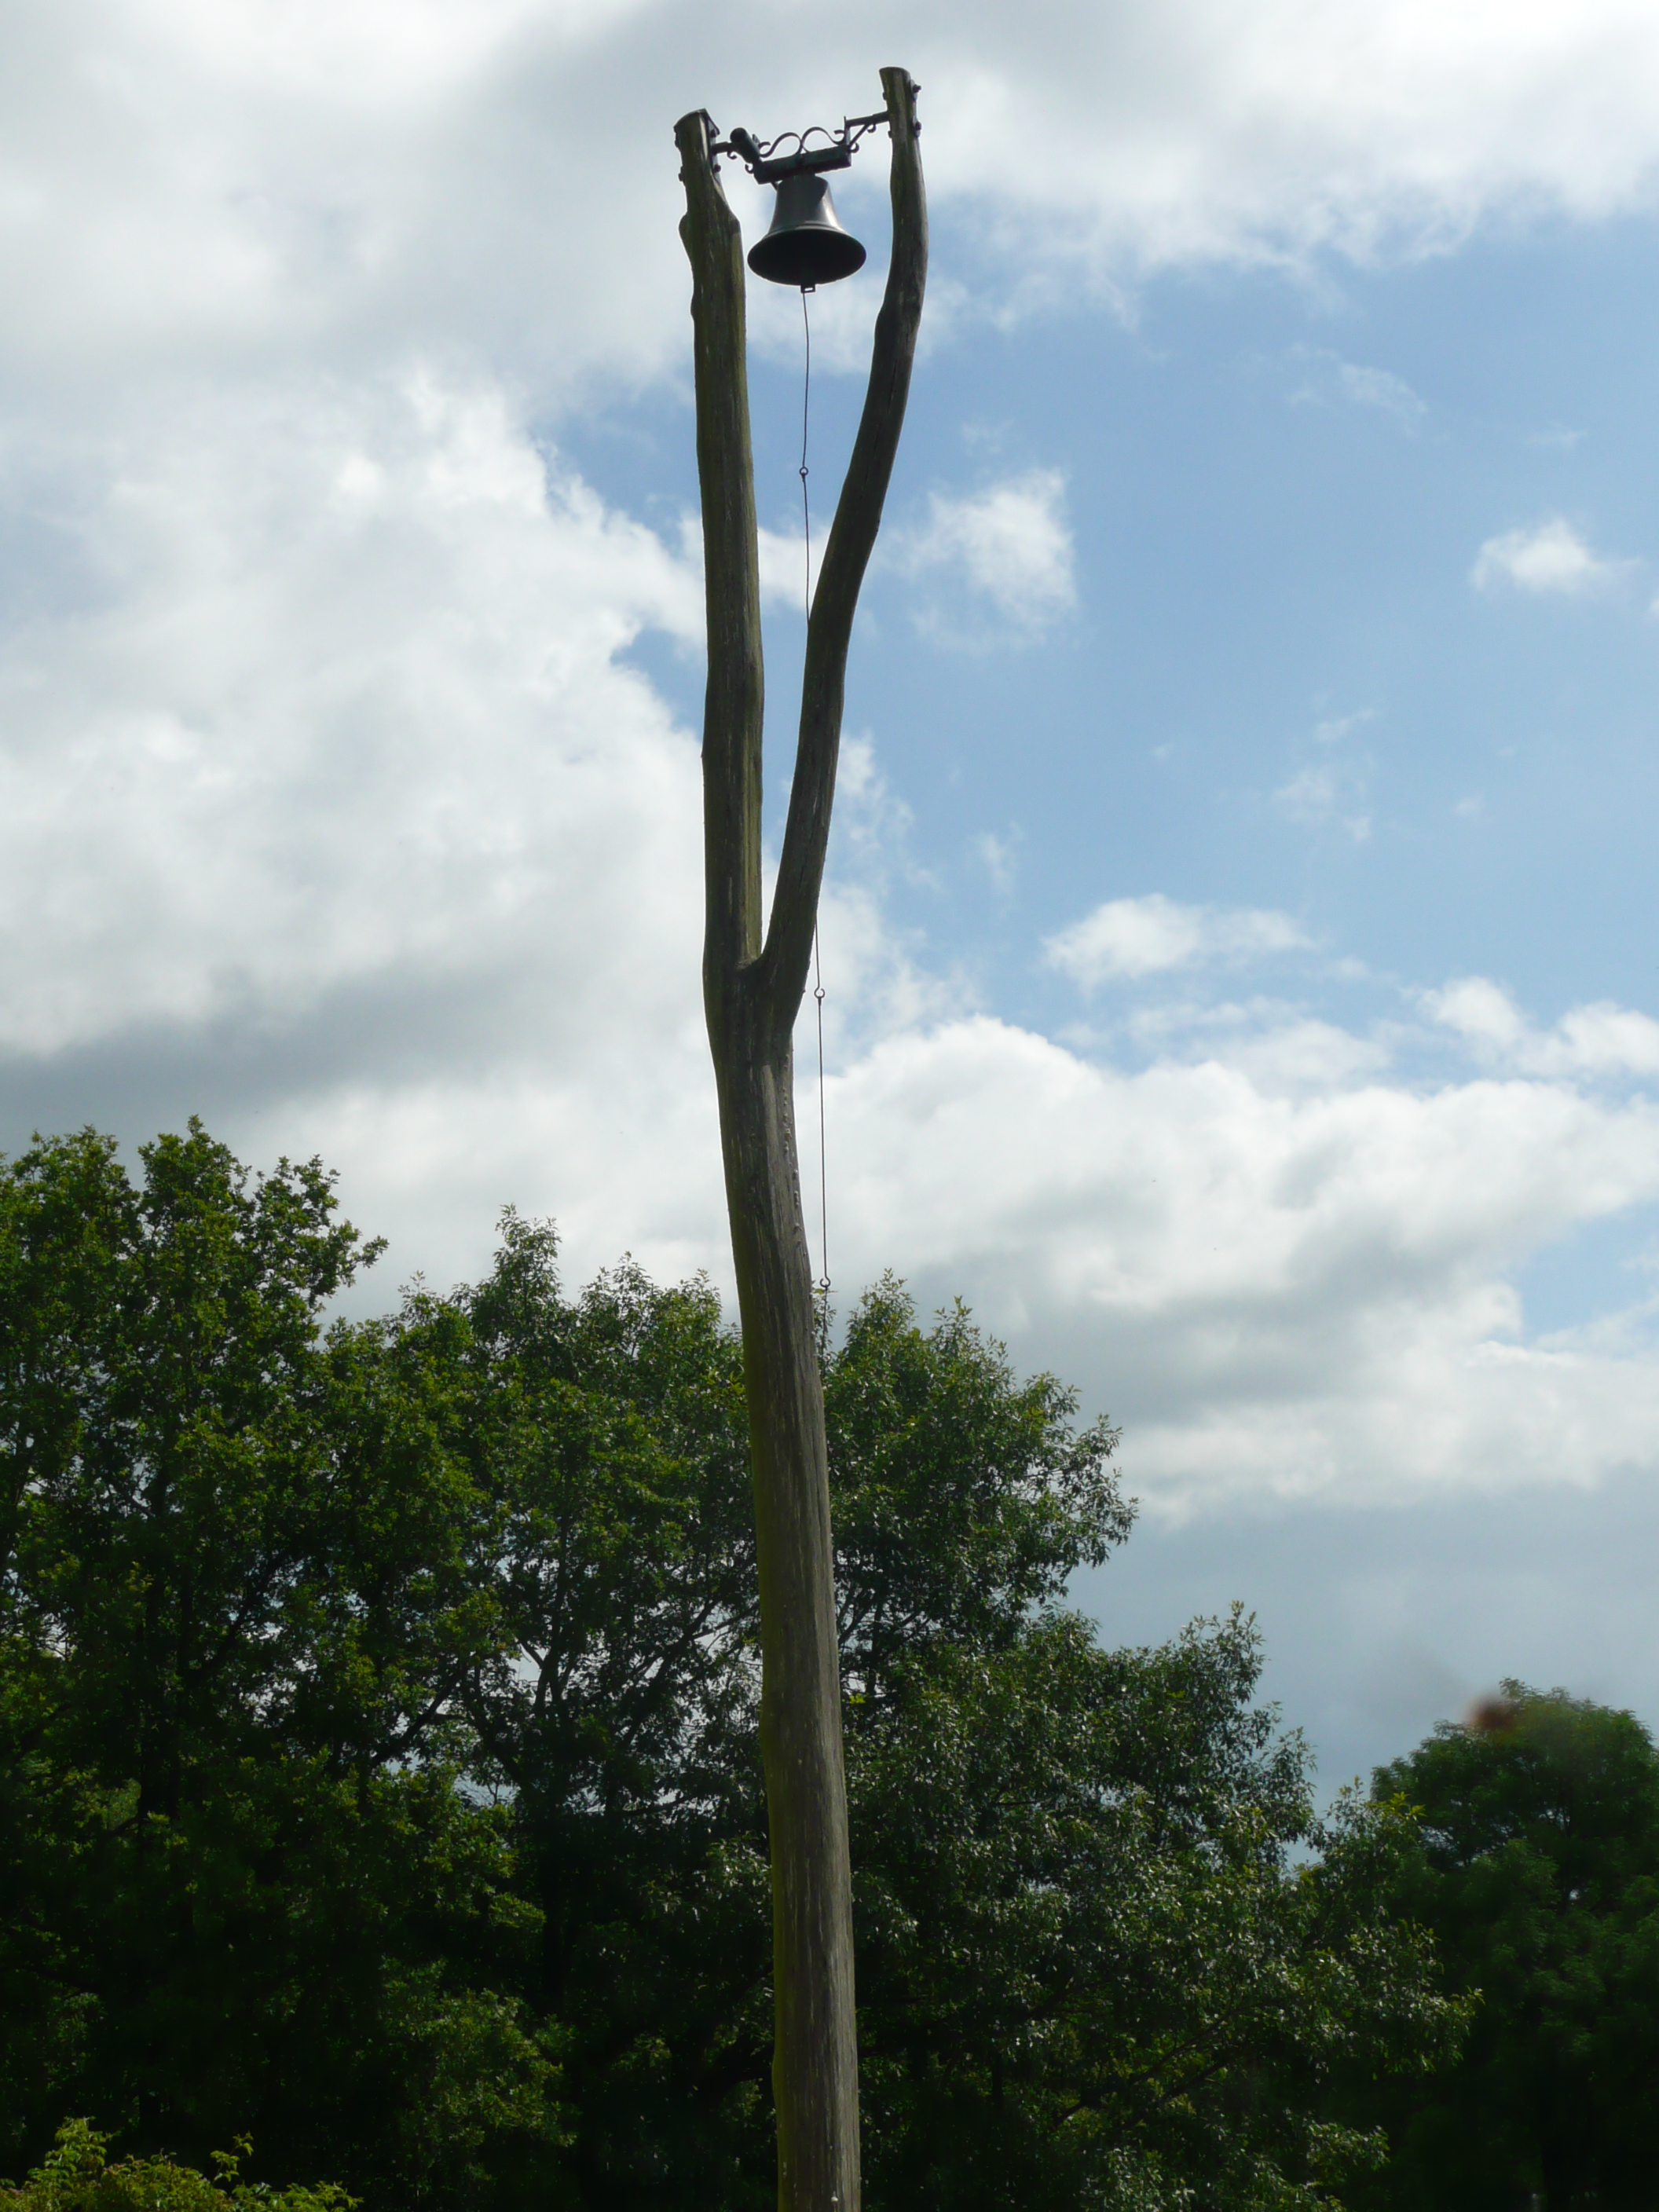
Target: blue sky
[1239,948]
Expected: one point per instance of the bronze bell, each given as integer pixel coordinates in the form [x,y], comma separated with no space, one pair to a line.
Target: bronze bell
[805,245]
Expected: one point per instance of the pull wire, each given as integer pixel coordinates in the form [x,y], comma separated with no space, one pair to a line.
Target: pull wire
[817,972]
[805,406]
[823,1169]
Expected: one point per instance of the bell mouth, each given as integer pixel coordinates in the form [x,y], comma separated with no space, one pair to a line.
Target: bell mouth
[805,245]
[805,257]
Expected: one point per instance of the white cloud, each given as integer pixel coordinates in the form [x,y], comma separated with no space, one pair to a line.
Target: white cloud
[1381,388]
[997,854]
[200,188]
[1200,129]
[331,808]
[1011,542]
[1280,1295]
[1326,379]
[783,570]
[1135,937]
[1285,1052]
[784,581]
[1317,796]
[1335,727]
[1587,1041]
[1551,557]
[320,710]
[330,804]
[1282,1291]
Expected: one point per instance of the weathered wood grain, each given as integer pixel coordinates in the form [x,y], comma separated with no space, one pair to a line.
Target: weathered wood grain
[752,991]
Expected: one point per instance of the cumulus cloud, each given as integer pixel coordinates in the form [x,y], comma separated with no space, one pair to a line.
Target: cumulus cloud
[1595,1039]
[1550,556]
[1282,1291]
[1010,542]
[322,706]
[330,805]
[329,809]
[1129,938]
[1280,1295]
[1344,125]
[332,809]
[220,188]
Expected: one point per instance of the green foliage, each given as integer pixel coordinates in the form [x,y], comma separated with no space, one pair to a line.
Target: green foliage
[1072,1974]
[619,1716]
[1088,1975]
[962,1499]
[1537,1869]
[237,1604]
[74,2177]
[378,1706]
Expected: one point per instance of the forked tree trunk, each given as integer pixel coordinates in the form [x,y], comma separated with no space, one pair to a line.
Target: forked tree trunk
[753,985]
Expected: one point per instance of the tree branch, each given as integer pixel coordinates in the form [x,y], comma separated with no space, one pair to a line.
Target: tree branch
[734,701]
[852,536]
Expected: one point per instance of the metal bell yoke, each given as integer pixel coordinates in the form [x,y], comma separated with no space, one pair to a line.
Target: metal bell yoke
[806,245]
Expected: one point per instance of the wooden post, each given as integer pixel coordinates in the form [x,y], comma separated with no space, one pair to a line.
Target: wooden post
[753,985]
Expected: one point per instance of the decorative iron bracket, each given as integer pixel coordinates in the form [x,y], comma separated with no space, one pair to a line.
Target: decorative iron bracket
[766,165]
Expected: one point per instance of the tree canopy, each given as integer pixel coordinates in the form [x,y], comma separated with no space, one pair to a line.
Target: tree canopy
[378,1723]
[1536,1867]
[75,2176]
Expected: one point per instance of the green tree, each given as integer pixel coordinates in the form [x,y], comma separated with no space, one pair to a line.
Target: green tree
[380,1767]
[78,2177]
[617,1717]
[75,2177]
[1090,1973]
[237,1603]
[1537,1869]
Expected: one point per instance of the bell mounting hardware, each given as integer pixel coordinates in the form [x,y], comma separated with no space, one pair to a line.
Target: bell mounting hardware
[806,245]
